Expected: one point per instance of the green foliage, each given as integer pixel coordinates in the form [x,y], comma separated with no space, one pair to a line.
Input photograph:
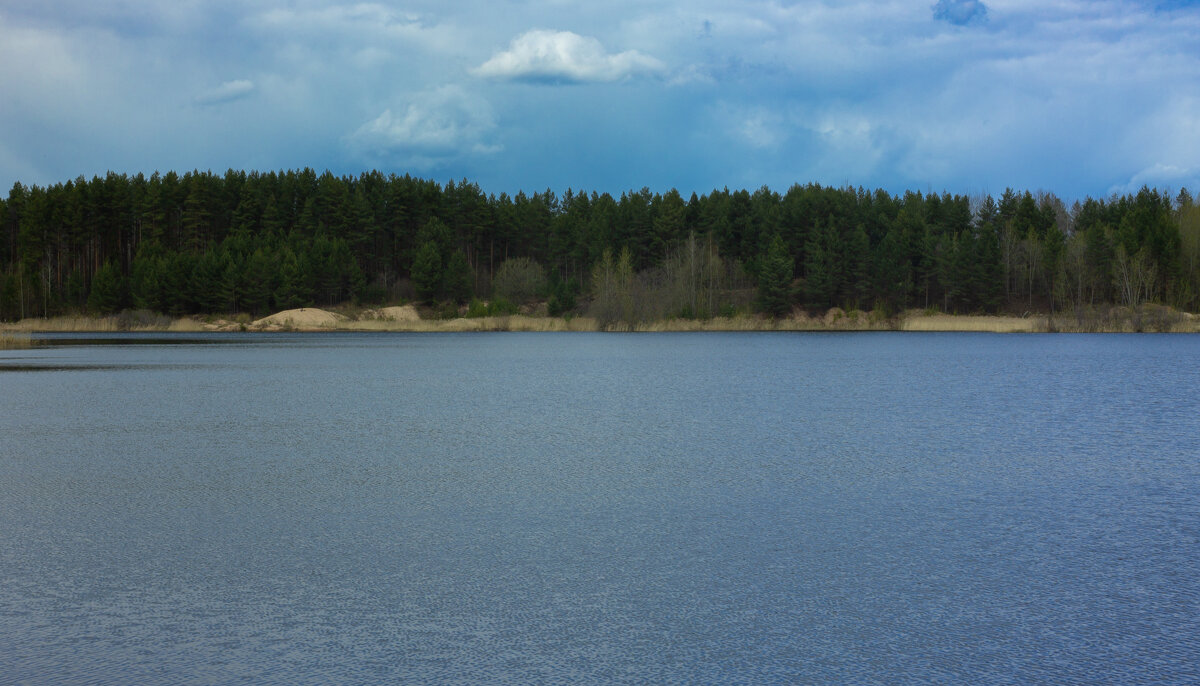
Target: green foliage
[456,279]
[447,310]
[563,298]
[109,292]
[775,280]
[892,272]
[476,309]
[520,279]
[427,271]
[251,241]
[260,279]
[439,270]
[501,307]
[612,289]
[295,282]
[10,305]
[823,265]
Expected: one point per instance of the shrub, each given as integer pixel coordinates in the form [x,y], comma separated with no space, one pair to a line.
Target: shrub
[109,290]
[501,307]
[477,308]
[562,298]
[519,280]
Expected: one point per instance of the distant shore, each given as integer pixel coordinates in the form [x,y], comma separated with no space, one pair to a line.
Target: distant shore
[1149,318]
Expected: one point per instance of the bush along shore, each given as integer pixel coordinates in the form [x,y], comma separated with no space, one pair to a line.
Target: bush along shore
[1148,318]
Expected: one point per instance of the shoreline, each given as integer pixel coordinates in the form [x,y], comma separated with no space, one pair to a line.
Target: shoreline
[407,319]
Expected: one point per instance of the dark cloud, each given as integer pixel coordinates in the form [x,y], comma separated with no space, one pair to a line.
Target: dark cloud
[960,12]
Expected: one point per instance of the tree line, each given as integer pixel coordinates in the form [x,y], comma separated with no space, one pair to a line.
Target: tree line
[255,242]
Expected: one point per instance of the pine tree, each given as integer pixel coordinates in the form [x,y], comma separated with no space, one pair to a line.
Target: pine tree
[109,290]
[856,288]
[822,265]
[456,279]
[427,271]
[775,279]
[893,275]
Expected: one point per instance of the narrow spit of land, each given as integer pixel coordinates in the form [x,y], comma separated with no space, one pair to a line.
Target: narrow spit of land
[408,318]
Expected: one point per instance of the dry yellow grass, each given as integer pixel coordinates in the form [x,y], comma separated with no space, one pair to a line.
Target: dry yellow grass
[80,324]
[65,324]
[993,324]
[834,320]
[1149,317]
[186,325]
[15,341]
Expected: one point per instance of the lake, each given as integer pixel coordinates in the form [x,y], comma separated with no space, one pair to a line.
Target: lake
[599,508]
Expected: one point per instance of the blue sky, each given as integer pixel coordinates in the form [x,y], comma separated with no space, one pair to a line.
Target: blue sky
[968,96]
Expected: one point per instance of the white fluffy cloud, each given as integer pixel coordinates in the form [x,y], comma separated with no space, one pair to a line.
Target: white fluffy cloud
[563,56]
[431,127]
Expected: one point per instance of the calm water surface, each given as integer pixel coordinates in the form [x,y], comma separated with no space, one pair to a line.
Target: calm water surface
[666,508]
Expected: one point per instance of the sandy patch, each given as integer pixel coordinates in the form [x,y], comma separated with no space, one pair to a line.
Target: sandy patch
[401,313]
[398,313]
[303,318]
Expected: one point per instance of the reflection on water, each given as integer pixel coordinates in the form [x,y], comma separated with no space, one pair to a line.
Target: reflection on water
[28,367]
[708,508]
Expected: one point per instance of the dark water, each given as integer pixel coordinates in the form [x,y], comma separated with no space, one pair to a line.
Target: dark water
[665,508]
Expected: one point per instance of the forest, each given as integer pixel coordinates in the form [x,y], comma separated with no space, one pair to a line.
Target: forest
[256,242]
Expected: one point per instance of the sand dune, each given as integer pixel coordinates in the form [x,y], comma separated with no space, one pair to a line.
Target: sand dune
[302,318]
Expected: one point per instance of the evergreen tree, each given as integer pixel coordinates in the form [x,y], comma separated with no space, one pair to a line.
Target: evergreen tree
[147,281]
[295,282]
[456,279]
[856,288]
[109,290]
[822,265]
[427,270]
[259,281]
[775,279]
[892,272]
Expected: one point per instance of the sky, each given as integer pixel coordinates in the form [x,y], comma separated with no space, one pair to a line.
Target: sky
[1080,98]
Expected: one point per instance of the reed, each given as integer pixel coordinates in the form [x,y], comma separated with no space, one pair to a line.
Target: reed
[185,325]
[126,321]
[15,341]
[65,324]
[1110,319]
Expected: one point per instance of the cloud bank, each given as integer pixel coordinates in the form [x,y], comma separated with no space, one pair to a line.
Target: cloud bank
[1074,96]
[431,128]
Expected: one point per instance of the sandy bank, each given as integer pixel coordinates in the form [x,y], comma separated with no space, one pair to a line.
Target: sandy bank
[302,319]
[398,313]
[408,318]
